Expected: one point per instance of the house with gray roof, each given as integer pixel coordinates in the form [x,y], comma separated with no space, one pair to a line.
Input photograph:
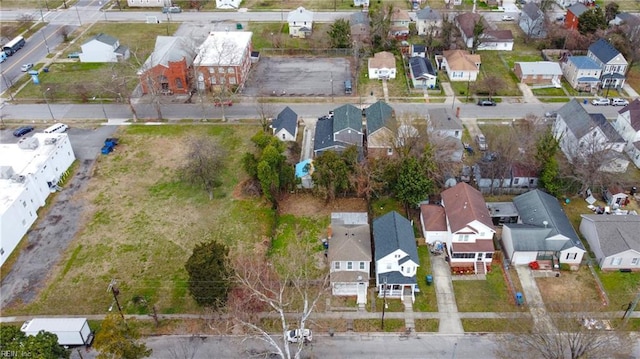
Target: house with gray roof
[572,16]
[532,21]
[628,126]
[428,21]
[349,255]
[582,73]
[445,134]
[360,27]
[339,131]
[103,48]
[285,125]
[423,74]
[582,135]
[501,40]
[381,129]
[539,74]
[543,233]
[613,239]
[166,70]
[612,63]
[396,256]
[300,22]
[629,23]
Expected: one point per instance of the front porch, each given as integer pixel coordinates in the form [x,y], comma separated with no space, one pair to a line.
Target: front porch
[397,291]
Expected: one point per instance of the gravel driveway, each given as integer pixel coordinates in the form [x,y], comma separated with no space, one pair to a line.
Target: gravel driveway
[49,237]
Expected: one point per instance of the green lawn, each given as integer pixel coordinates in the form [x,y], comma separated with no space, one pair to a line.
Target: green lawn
[549,91]
[426,300]
[375,325]
[265,34]
[512,57]
[426,325]
[484,325]
[296,229]
[620,287]
[489,295]
[493,65]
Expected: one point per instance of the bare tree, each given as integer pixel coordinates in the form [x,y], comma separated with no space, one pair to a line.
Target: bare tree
[266,111]
[204,163]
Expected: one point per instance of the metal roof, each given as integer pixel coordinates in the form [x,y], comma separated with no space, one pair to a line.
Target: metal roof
[540,68]
[584,63]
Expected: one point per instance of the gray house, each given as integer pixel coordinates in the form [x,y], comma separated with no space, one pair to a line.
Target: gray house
[613,64]
[381,131]
[285,125]
[543,233]
[613,239]
[532,21]
[339,131]
[103,48]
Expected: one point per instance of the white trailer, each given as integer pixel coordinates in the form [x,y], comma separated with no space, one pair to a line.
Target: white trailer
[70,331]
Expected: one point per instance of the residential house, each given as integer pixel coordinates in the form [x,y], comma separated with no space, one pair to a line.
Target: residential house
[224,60]
[460,65]
[418,51]
[396,256]
[285,125]
[629,23]
[582,135]
[490,39]
[399,23]
[582,73]
[543,233]
[573,13]
[423,75]
[616,196]
[382,66]
[228,4]
[611,61]
[339,131]
[628,126]
[566,3]
[539,74]
[360,28]
[361,3]
[349,255]
[428,21]
[103,48]
[469,242]
[445,134]
[613,240]
[381,129]
[434,223]
[300,22]
[166,70]
[148,3]
[532,21]
[523,176]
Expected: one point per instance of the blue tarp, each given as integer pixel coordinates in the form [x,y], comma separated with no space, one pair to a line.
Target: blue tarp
[301,168]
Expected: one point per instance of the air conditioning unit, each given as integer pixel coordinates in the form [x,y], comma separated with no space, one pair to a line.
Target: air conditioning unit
[18,178]
[50,141]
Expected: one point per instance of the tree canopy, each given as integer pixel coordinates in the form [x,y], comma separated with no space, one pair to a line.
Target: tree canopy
[118,339]
[340,34]
[210,274]
[204,163]
[591,21]
[331,174]
[17,344]
[413,185]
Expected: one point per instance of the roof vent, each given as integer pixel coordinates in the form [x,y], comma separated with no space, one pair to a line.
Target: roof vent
[545,223]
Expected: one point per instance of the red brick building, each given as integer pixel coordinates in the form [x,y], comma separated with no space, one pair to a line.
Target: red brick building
[166,71]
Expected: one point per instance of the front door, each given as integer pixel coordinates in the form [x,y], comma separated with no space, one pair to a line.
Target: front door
[479,256]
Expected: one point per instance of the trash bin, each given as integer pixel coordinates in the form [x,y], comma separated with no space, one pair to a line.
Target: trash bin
[429,279]
[238,26]
[46,69]
[585,101]
[519,299]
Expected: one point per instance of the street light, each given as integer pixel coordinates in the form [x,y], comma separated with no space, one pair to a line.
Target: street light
[44,95]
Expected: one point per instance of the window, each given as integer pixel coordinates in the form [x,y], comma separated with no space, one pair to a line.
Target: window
[615,261]
[211,70]
[463,237]
[349,265]
[231,70]
[389,151]
[515,181]
[213,80]
[488,255]
[336,265]
[362,265]
[408,270]
[572,256]
[221,70]
[179,83]
[464,255]
[635,261]
[232,80]
[24,204]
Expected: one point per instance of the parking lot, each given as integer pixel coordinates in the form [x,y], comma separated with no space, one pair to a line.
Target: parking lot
[298,76]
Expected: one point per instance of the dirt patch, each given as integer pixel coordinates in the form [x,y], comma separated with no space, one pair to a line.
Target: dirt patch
[309,206]
[570,287]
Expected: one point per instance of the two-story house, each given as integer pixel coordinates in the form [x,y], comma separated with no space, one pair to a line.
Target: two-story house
[428,21]
[396,256]
[339,131]
[611,61]
[224,60]
[399,23]
[532,21]
[300,22]
[166,70]
[103,48]
[582,135]
[360,27]
[500,40]
[445,134]
[573,14]
[381,134]
[582,73]
[382,66]
[628,126]
[349,255]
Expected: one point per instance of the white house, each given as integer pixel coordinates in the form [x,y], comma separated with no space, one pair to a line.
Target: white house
[361,3]
[428,21]
[582,135]
[382,66]
[228,4]
[29,172]
[613,239]
[285,125]
[582,73]
[543,233]
[349,254]
[103,48]
[396,256]
[613,64]
[300,22]
[434,223]
[628,126]
[501,40]
[459,65]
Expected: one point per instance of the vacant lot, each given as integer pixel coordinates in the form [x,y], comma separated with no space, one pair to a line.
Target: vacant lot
[491,295]
[584,292]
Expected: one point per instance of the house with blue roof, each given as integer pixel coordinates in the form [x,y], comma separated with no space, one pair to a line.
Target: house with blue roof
[423,74]
[339,131]
[543,233]
[396,256]
[285,125]
[611,62]
[582,73]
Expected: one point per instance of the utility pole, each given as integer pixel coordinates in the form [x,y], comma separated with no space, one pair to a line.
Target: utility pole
[384,300]
[115,291]
[630,309]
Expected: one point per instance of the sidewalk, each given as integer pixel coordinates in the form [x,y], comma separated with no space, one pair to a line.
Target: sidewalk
[447,307]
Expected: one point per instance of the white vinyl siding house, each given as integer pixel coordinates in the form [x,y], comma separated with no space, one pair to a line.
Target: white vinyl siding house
[613,239]
[103,48]
[300,22]
[628,126]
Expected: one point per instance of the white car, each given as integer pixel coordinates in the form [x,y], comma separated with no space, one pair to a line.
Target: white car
[294,336]
[619,102]
[26,67]
[507,18]
[600,101]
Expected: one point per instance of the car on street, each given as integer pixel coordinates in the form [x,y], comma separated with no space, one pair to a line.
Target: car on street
[171,10]
[619,102]
[551,114]
[227,103]
[296,335]
[73,55]
[507,18]
[21,131]
[26,67]
[486,102]
[600,101]
[482,142]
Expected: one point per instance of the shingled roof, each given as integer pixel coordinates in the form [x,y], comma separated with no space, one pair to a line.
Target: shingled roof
[580,122]
[347,117]
[463,205]
[634,113]
[391,232]
[603,50]
[616,233]
[286,119]
[377,116]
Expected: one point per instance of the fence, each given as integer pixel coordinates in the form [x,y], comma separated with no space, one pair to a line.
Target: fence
[306,52]
[504,190]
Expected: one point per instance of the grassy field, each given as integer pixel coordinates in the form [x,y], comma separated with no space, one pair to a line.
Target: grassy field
[620,287]
[426,325]
[375,325]
[426,300]
[493,65]
[489,295]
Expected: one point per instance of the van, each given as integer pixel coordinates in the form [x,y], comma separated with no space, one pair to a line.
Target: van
[57,128]
[3,56]
[347,87]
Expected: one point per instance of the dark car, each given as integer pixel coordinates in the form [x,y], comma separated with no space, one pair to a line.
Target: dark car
[486,103]
[21,131]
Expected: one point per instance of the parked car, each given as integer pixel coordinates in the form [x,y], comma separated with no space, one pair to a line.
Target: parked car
[507,18]
[551,114]
[489,157]
[227,103]
[600,101]
[171,10]
[73,55]
[619,102]
[486,102]
[296,335]
[482,142]
[21,131]
[26,67]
